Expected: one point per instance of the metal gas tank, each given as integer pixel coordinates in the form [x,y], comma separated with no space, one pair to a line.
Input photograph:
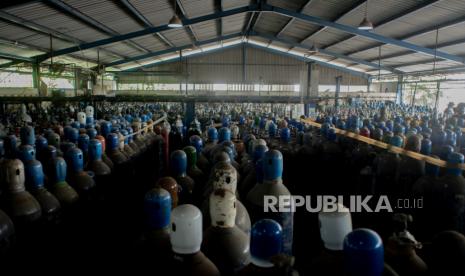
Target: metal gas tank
[7,233]
[19,203]
[35,181]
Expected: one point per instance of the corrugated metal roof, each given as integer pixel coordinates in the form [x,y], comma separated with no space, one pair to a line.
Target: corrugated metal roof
[158,12]
[232,4]
[234,24]
[270,22]
[179,37]
[205,30]
[195,8]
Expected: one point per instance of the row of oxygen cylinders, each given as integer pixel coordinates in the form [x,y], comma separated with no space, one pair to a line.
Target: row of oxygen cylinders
[45,174]
[227,241]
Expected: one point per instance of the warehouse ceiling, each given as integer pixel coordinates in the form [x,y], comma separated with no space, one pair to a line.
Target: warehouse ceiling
[408,36]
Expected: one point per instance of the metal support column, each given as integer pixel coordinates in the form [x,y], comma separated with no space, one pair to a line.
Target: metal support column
[309,80]
[399,92]
[338,90]
[244,60]
[36,75]
[368,84]
[190,113]
[414,94]
[438,90]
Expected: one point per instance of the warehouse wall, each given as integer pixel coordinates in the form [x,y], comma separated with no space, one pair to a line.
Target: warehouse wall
[261,67]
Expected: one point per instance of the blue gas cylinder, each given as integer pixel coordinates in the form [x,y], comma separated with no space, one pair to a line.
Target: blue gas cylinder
[157,207]
[34,175]
[2,149]
[26,153]
[178,166]
[72,135]
[426,146]
[364,253]
[266,241]
[92,132]
[83,143]
[197,143]
[41,144]
[35,181]
[285,135]
[76,125]
[105,128]
[272,186]
[75,159]
[212,134]
[27,135]
[272,130]
[224,134]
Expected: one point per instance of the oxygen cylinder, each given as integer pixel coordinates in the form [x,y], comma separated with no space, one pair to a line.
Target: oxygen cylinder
[165,134]
[186,240]
[96,163]
[363,253]
[224,177]
[157,207]
[192,170]
[334,227]
[27,135]
[401,249]
[105,157]
[251,178]
[450,196]
[128,151]
[179,172]
[224,243]
[115,154]
[265,250]
[386,168]
[65,194]
[224,134]
[49,204]
[169,184]
[41,147]
[202,161]
[448,253]
[7,233]
[20,204]
[79,179]
[272,186]
[410,170]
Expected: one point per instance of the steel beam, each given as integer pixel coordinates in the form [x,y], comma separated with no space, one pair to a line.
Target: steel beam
[219,8]
[424,31]
[133,11]
[356,6]
[369,35]
[439,46]
[61,6]
[293,19]
[15,57]
[422,5]
[172,50]
[18,21]
[5,4]
[147,31]
[190,30]
[330,53]
[8,64]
